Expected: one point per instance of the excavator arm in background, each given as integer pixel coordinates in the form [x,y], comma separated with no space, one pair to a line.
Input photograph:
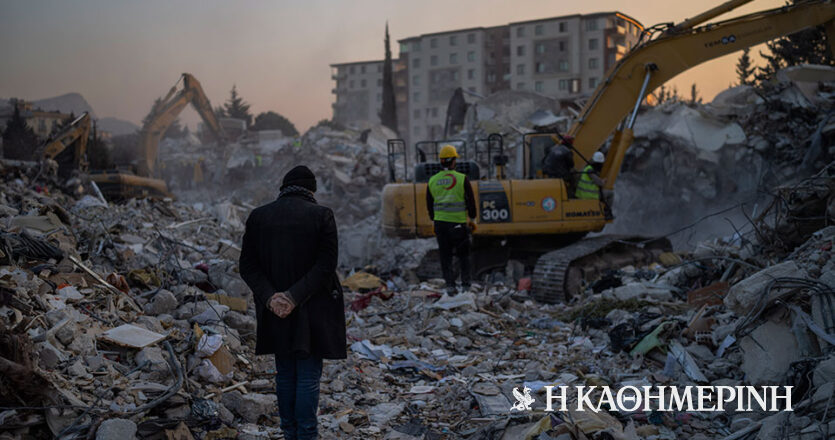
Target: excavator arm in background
[77,131]
[668,53]
[166,111]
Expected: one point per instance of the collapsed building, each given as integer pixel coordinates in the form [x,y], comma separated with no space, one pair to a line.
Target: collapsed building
[122,320]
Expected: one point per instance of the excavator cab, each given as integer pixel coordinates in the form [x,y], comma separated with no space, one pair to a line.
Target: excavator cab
[426,160]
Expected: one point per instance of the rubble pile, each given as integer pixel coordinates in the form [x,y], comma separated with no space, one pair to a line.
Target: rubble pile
[349,165]
[123,320]
[732,151]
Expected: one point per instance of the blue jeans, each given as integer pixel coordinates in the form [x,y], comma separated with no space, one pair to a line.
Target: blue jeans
[297,388]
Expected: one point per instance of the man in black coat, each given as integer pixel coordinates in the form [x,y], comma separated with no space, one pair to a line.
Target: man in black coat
[288,260]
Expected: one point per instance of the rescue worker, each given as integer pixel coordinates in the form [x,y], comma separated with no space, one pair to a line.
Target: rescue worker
[451,204]
[590,185]
[559,162]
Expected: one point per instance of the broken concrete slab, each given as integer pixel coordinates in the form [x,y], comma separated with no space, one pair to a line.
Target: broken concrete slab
[748,293]
[130,335]
[767,353]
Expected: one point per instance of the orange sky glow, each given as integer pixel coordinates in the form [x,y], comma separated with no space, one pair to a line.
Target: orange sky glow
[122,55]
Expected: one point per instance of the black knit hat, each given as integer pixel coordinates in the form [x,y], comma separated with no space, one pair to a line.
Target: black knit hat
[300,176]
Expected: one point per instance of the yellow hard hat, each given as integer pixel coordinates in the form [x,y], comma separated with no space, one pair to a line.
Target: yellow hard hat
[448,152]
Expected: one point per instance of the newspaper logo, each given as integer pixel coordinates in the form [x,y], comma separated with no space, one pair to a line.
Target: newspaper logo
[523,401]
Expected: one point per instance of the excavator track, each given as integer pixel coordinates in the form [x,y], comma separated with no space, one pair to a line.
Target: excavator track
[560,274]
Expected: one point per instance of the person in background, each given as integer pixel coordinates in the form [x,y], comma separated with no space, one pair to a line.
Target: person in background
[451,204]
[590,185]
[288,260]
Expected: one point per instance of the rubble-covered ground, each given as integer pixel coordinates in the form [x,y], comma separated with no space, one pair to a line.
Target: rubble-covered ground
[130,320]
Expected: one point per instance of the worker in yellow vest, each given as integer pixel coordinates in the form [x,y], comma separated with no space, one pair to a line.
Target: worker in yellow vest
[451,204]
[590,185]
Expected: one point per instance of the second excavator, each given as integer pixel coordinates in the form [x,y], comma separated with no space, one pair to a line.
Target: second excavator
[144,180]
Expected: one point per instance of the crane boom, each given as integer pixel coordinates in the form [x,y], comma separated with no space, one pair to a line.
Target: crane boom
[167,110]
[654,62]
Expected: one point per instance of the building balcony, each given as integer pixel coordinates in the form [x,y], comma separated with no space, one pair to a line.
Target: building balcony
[338,76]
[334,91]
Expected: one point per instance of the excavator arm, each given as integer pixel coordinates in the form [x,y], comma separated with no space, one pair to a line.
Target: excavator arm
[167,110]
[679,48]
[77,130]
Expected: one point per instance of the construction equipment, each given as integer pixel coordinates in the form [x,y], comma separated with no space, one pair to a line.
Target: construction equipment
[535,218]
[76,133]
[145,183]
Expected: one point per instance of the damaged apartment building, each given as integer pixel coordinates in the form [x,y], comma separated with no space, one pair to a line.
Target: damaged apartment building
[560,57]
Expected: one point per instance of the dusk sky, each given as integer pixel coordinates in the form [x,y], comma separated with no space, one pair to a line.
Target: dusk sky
[121,55]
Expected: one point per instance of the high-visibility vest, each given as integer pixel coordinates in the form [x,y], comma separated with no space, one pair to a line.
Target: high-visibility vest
[447,188]
[586,188]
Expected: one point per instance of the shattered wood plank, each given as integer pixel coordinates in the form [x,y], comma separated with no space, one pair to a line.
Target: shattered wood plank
[236,304]
[104,283]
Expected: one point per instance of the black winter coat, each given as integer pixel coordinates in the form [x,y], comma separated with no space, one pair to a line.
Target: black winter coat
[290,245]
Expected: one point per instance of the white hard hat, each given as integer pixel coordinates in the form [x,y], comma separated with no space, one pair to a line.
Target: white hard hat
[598,157]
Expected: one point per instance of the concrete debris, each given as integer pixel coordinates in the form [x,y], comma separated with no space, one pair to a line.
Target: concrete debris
[136,310]
[116,429]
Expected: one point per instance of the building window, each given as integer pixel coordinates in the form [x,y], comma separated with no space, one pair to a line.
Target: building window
[362,69]
[592,83]
[471,74]
[416,46]
[417,131]
[540,48]
[540,67]
[537,30]
[416,96]
[351,70]
[470,38]
[491,77]
[453,58]
[562,46]
[538,86]
[472,89]
[520,69]
[416,80]
[433,60]
[592,43]
[379,97]
[592,63]
[563,84]
[362,83]
[453,40]
[591,25]
[455,75]
[434,112]
[404,47]
[379,68]
[433,43]
[575,85]
[520,51]
[520,86]
[562,26]
[416,113]
[471,56]
[563,66]
[416,63]
[520,31]
[351,84]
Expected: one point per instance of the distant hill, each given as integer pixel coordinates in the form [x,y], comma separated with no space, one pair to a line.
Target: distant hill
[67,103]
[116,127]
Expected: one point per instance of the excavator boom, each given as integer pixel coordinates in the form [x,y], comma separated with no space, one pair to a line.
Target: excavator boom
[658,60]
[167,110]
[77,131]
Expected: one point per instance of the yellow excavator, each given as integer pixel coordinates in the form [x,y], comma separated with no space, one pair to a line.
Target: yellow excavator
[534,218]
[145,182]
[68,147]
